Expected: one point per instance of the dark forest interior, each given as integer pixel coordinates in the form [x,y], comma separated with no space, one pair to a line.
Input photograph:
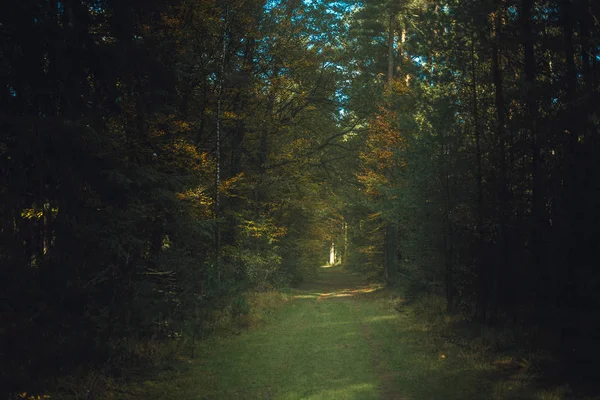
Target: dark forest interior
[159,159]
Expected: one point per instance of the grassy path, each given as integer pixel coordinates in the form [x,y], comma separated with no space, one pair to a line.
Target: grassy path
[336,338]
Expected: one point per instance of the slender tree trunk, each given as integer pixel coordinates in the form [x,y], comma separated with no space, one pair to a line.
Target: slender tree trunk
[217,203]
[401,28]
[391,39]
[448,239]
[501,262]
[202,114]
[537,200]
[390,246]
[390,252]
[481,265]
[401,60]
[571,120]
[346,244]
[588,52]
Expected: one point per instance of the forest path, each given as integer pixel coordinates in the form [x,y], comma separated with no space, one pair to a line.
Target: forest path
[335,338]
[317,347]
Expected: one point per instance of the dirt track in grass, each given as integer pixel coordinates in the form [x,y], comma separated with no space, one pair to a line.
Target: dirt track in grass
[334,338]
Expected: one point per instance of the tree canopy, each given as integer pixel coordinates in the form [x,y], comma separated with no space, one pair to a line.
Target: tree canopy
[158,159]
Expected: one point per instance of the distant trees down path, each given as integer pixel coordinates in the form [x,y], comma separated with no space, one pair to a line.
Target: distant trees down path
[158,159]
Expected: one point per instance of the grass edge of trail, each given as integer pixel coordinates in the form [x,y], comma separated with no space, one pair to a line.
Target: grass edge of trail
[410,351]
[482,362]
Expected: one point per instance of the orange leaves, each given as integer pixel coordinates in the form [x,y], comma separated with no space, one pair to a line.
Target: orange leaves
[371,181]
[384,138]
[181,154]
[381,158]
[229,186]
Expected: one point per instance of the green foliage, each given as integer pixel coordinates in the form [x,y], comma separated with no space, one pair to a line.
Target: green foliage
[259,269]
[111,231]
[160,160]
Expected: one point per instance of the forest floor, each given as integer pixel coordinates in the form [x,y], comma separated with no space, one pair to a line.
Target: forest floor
[341,338]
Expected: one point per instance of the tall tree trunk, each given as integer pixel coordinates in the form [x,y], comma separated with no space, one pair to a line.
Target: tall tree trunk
[390,252]
[448,236]
[493,284]
[391,39]
[537,200]
[571,122]
[217,202]
[202,114]
[481,264]
[390,245]
[346,244]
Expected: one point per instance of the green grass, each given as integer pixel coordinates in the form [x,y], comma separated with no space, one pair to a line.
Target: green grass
[339,338]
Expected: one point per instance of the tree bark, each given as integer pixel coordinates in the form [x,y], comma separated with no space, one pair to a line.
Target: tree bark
[537,200]
[493,284]
[217,201]
[390,249]
[391,39]
[481,265]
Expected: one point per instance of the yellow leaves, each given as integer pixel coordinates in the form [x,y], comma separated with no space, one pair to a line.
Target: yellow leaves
[199,200]
[371,181]
[182,126]
[397,86]
[231,116]
[37,213]
[31,213]
[263,229]
[227,186]
[182,154]
[197,194]
[178,126]
[33,397]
